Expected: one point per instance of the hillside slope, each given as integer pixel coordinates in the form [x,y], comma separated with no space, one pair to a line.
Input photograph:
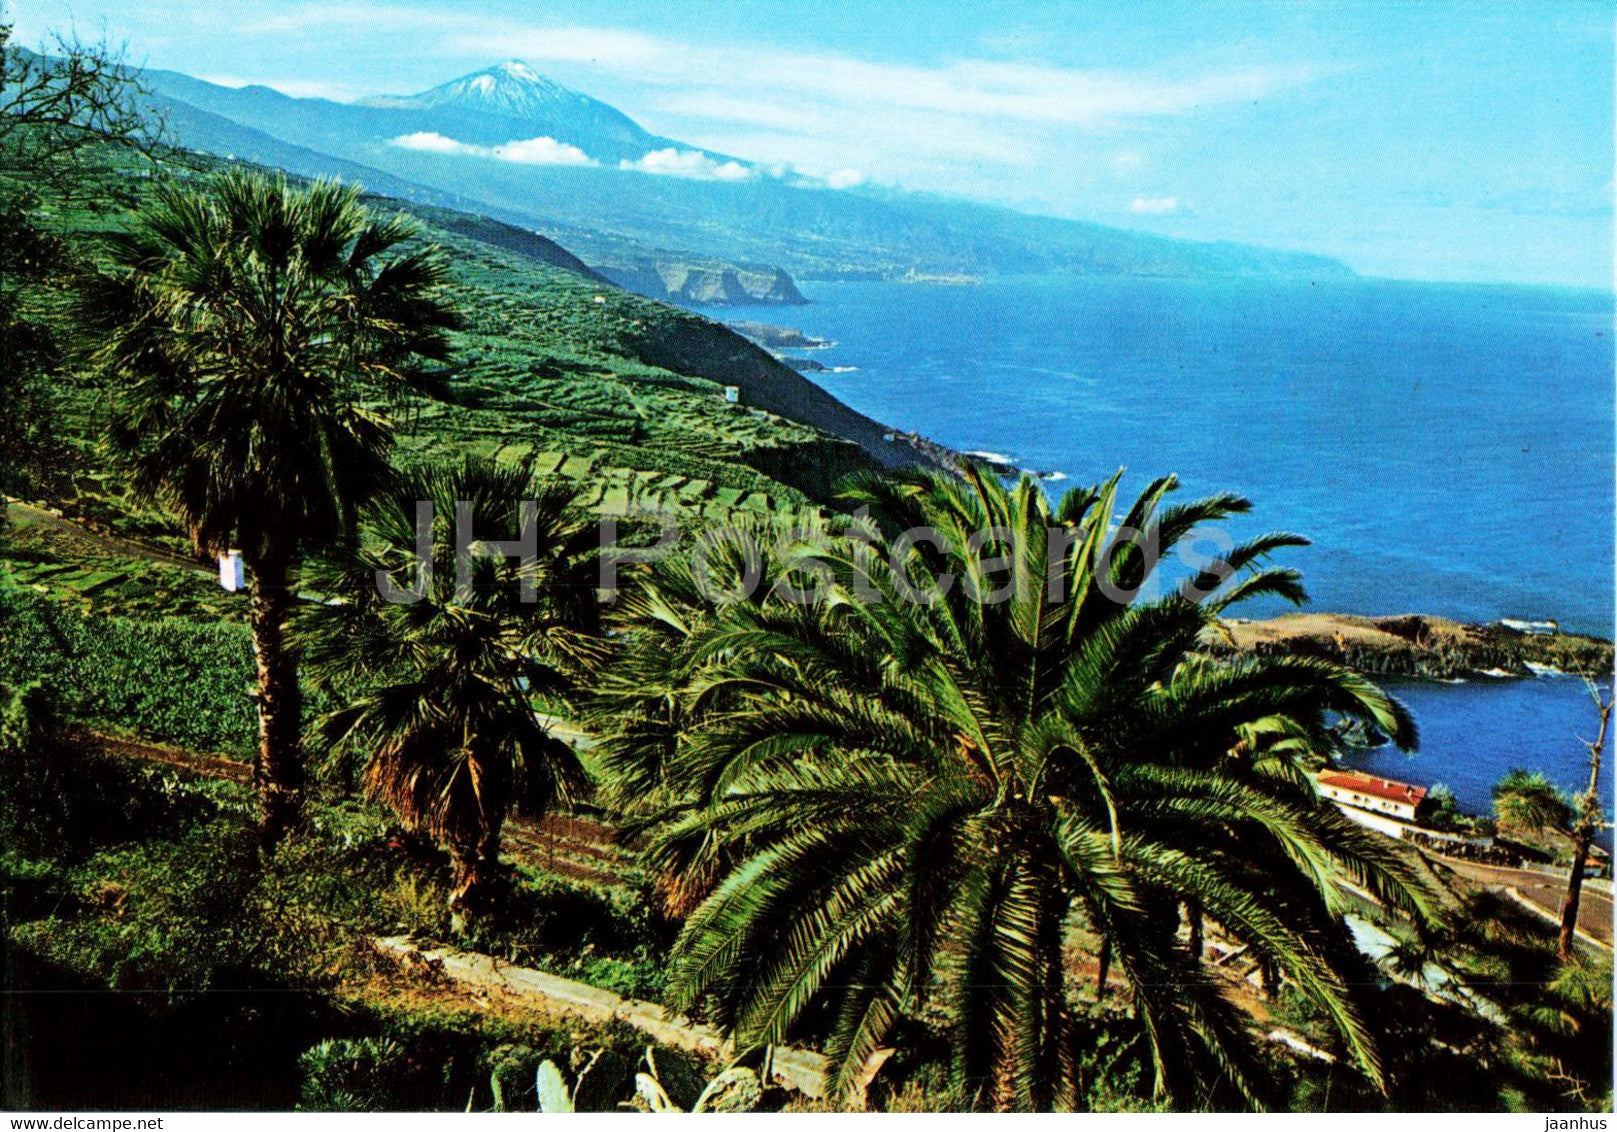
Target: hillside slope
[623,394]
[594,317]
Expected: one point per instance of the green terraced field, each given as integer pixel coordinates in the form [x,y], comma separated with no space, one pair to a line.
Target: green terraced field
[623,394]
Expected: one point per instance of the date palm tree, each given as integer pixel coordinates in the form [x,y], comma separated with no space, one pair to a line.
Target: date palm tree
[250,337]
[897,799]
[440,681]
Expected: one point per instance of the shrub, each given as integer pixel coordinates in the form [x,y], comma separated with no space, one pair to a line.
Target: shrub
[354,1075]
[606,938]
[172,680]
[62,800]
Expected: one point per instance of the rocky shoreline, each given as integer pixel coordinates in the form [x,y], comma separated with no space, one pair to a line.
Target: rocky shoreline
[1419,646]
[772,337]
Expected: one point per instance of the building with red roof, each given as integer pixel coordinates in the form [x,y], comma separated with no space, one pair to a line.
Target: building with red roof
[1367,792]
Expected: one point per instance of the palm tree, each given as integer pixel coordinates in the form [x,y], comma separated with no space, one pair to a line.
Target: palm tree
[250,337]
[1527,800]
[1589,815]
[895,801]
[441,685]
[638,709]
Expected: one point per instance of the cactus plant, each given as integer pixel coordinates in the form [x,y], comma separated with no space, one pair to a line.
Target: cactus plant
[650,1092]
[737,1089]
[552,1089]
[597,1081]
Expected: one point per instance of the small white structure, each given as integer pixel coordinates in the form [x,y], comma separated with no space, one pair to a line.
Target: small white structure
[732,394]
[231,575]
[1367,792]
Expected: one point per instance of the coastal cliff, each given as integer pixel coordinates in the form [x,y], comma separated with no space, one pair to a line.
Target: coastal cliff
[707,284]
[1417,645]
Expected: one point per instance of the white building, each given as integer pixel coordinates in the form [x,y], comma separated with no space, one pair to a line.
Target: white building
[1367,792]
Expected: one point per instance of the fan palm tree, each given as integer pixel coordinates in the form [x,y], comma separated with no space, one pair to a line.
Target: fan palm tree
[1527,800]
[250,337]
[896,800]
[442,679]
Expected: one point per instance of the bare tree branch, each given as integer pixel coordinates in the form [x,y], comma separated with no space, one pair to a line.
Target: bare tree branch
[58,108]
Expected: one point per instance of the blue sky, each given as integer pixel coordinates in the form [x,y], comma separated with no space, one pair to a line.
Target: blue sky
[1467,141]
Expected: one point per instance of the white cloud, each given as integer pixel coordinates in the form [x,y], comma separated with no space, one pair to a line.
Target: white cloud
[723,81]
[436,143]
[951,126]
[751,110]
[1154,206]
[728,78]
[541,151]
[844,179]
[980,123]
[689,163]
[362,14]
[530,151]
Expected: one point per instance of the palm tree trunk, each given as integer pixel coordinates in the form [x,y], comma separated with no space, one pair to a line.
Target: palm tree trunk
[1105,969]
[1268,977]
[1193,919]
[477,873]
[1584,833]
[1574,891]
[278,768]
[467,882]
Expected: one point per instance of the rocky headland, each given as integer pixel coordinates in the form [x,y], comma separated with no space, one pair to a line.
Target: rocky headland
[1419,645]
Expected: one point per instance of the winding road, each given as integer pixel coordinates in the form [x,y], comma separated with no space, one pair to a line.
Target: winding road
[1541,893]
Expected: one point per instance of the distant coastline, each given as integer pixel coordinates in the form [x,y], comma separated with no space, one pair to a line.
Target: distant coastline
[1420,645]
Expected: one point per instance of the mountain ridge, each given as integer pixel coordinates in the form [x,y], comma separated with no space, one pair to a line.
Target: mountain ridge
[657,273]
[521,145]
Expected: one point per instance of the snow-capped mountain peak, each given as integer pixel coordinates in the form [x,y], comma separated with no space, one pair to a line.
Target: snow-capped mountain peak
[517,69]
[512,89]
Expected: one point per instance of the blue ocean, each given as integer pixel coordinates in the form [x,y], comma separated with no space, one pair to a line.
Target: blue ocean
[1448,449]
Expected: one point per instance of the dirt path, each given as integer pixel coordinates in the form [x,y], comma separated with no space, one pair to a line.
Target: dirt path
[27,513]
[802,1070]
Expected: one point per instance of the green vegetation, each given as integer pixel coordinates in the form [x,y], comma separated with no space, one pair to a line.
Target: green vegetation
[150,881]
[620,393]
[173,680]
[1529,801]
[1526,799]
[992,844]
[120,578]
